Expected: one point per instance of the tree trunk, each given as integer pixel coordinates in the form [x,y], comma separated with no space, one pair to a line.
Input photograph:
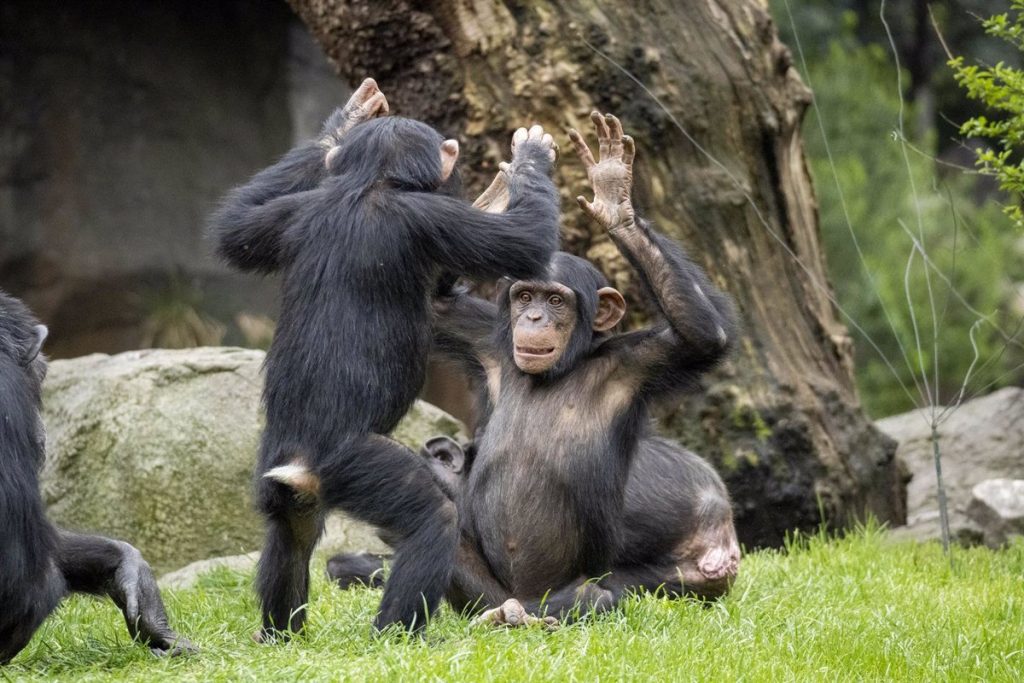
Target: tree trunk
[782,421]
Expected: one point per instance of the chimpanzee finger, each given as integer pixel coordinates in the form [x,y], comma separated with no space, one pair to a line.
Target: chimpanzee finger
[615,133]
[628,150]
[519,137]
[549,142]
[587,207]
[364,92]
[504,167]
[536,132]
[376,106]
[602,135]
[582,149]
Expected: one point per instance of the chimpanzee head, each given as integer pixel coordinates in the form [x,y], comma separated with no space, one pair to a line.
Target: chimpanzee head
[21,341]
[552,322]
[401,152]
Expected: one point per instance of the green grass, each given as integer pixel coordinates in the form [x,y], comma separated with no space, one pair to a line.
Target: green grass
[861,607]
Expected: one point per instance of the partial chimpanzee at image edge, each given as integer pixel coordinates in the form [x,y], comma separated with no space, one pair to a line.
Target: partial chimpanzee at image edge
[363,223]
[39,563]
[569,500]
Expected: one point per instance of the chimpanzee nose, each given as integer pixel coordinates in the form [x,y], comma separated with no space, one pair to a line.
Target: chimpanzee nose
[534,316]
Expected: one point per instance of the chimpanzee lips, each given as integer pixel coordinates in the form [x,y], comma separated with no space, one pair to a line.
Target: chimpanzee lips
[535,350]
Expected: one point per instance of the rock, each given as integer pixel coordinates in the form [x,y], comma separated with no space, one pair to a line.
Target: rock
[188,576]
[157,448]
[982,439]
[997,505]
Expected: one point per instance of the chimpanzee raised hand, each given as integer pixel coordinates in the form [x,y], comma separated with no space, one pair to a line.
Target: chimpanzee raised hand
[361,252]
[40,564]
[567,484]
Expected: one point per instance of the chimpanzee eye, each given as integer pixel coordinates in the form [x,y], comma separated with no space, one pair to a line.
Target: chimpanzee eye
[525,298]
[555,300]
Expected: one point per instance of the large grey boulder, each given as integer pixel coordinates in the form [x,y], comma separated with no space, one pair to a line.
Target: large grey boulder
[982,439]
[997,506]
[157,447]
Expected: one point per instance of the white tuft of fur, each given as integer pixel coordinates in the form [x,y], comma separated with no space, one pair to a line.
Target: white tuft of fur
[293,475]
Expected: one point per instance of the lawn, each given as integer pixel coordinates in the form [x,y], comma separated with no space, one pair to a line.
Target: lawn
[860,607]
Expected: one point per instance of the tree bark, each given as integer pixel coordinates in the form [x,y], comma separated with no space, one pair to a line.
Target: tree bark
[782,420]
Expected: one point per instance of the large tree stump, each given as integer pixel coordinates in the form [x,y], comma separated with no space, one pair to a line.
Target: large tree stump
[782,421]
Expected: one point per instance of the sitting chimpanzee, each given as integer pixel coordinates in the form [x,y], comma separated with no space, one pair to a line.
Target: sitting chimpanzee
[362,234]
[39,563]
[567,484]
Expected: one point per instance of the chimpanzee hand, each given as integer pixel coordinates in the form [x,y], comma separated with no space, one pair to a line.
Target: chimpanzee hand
[612,176]
[366,103]
[135,592]
[536,135]
[496,197]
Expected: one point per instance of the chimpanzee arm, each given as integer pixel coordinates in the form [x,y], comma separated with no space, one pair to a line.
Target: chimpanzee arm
[102,566]
[700,320]
[249,223]
[468,241]
[464,329]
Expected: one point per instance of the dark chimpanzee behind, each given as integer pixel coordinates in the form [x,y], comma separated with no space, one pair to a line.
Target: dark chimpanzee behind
[40,564]
[567,484]
[362,237]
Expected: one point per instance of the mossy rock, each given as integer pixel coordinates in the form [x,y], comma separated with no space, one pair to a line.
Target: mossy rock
[157,448]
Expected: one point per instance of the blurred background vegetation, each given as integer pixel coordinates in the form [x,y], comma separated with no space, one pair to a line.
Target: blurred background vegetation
[882,183]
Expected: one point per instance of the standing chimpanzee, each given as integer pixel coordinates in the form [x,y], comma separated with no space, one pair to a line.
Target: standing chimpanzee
[39,563]
[361,252]
[567,484]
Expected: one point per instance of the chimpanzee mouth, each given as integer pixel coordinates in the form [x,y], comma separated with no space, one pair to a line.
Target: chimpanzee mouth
[535,350]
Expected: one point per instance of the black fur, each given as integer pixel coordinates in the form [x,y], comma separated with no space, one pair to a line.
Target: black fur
[361,249]
[39,563]
[554,495]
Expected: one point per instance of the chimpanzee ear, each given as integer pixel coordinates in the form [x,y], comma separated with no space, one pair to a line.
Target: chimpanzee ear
[449,155]
[447,450]
[39,335]
[611,307]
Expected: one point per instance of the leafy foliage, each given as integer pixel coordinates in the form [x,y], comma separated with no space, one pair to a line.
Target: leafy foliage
[1001,89]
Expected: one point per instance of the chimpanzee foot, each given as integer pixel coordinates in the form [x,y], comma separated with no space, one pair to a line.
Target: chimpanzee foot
[135,592]
[270,636]
[512,613]
[720,562]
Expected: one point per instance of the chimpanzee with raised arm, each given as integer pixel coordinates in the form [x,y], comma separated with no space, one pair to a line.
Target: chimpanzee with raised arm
[569,500]
[362,224]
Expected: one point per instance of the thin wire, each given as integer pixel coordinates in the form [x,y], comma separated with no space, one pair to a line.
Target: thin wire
[917,212]
[843,205]
[950,409]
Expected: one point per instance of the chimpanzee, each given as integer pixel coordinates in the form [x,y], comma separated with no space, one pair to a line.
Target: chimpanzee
[39,563]
[665,533]
[567,483]
[362,235]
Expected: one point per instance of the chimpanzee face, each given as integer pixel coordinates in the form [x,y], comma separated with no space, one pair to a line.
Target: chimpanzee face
[543,319]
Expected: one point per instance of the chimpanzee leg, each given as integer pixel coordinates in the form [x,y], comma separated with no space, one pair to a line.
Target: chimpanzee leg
[282,577]
[705,571]
[353,569]
[103,566]
[473,588]
[386,484]
[25,609]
